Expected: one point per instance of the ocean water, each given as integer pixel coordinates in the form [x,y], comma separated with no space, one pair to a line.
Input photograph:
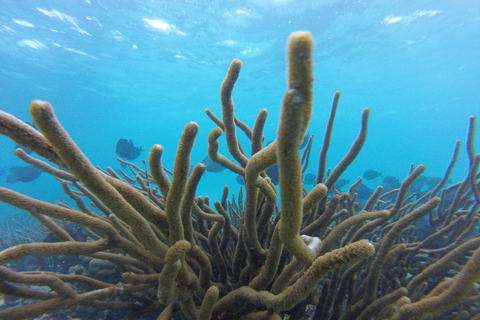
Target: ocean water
[142,69]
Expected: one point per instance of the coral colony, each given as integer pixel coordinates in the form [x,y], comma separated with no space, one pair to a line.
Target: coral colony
[151,249]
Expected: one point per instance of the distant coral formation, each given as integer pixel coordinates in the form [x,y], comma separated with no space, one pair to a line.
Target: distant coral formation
[148,248]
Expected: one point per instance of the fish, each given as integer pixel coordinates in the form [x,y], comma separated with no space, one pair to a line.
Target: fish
[22,174]
[240,180]
[212,166]
[76,232]
[371,174]
[3,171]
[432,182]
[32,264]
[392,181]
[364,192]
[387,187]
[126,150]
[272,172]
[424,230]
[341,183]
[302,145]
[310,178]
[305,141]
[418,184]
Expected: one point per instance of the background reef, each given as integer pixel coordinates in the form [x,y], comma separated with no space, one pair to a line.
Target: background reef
[414,65]
[142,70]
[147,246]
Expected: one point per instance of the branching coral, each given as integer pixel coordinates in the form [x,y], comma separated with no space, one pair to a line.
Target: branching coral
[242,259]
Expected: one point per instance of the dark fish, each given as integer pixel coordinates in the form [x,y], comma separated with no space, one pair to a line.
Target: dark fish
[125,149]
[305,141]
[3,171]
[425,230]
[76,232]
[135,153]
[432,182]
[212,166]
[341,183]
[22,174]
[240,180]
[272,172]
[418,184]
[51,238]
[392,181]
[364,192]
[32,264]
[387,187]
[371,174]
[310,178]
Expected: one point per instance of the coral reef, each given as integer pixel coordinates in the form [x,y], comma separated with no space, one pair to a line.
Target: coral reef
[153,250]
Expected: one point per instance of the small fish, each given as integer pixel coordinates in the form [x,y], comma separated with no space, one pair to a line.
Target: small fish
[305,141]
[432,182]
[341,183]
[240,180]
[22,174]
[3,171]
[51,238]
[425,230]
[418,184]
[135,153]
[364,192]
[371,174]
[32,264]
[212,166]
[126,150]
[387,187]
[391,181]
[310,178]
[272,172]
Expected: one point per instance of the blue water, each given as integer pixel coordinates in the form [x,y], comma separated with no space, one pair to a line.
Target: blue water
[141,70]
